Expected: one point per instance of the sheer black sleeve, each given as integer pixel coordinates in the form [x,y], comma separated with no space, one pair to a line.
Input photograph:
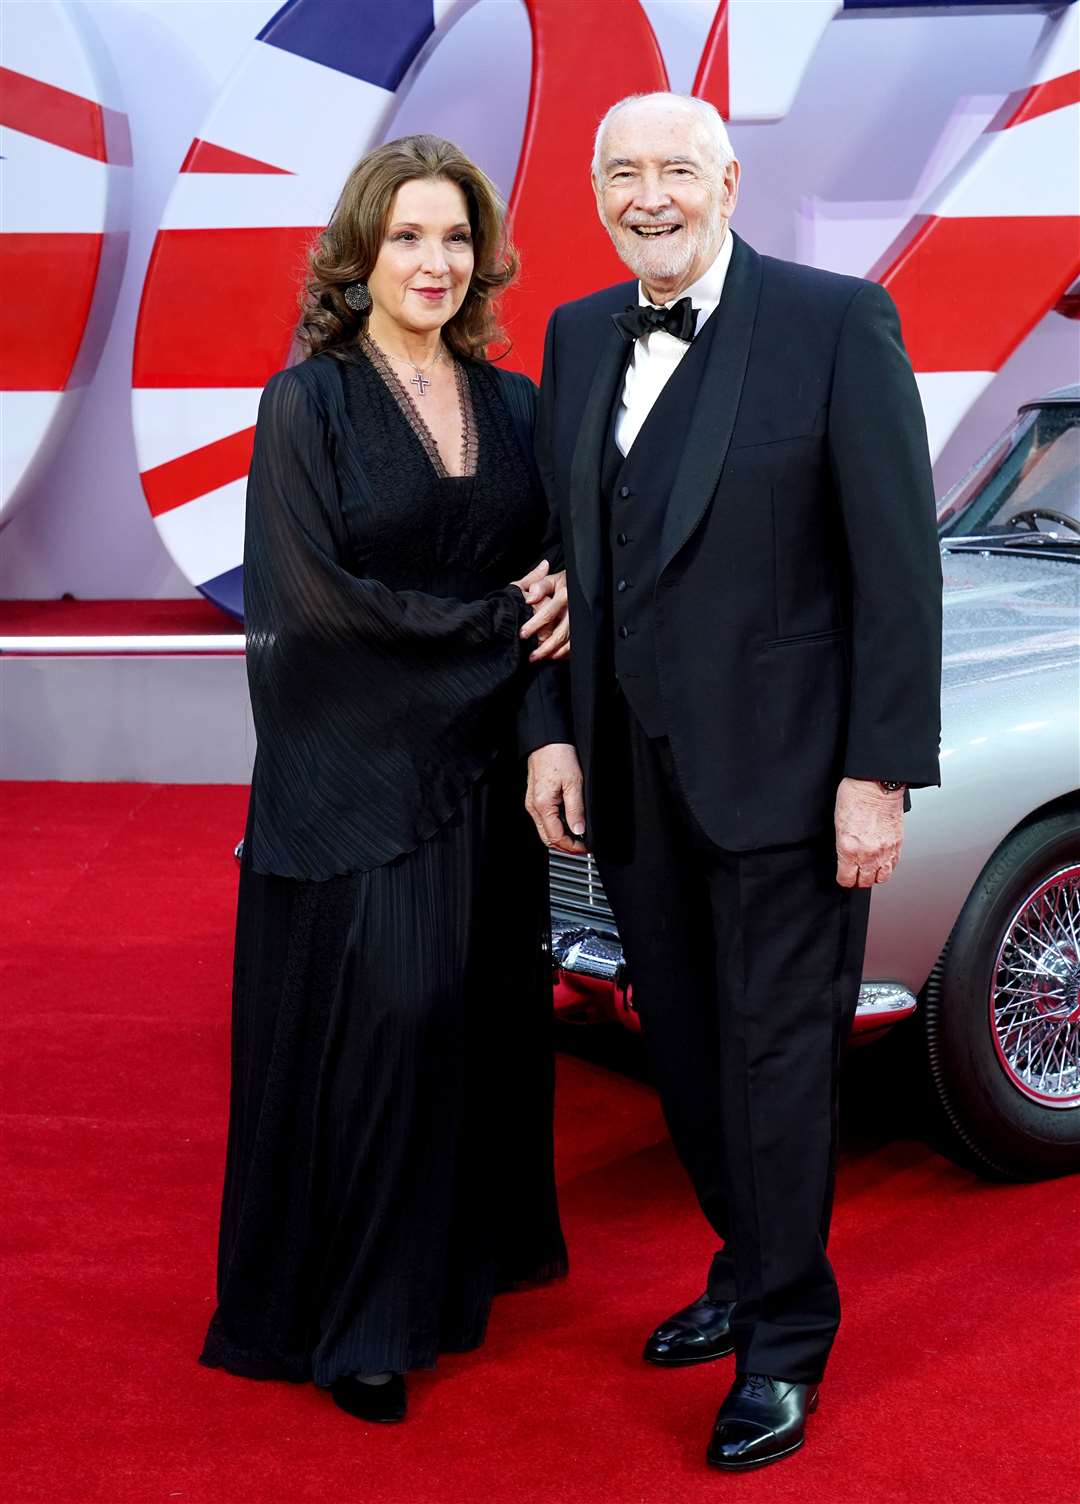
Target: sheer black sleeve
[374,709]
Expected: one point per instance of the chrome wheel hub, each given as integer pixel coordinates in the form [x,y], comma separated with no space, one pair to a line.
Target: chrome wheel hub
[1035,993]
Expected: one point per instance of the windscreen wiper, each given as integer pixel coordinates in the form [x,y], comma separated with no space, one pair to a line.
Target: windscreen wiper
[1010,541]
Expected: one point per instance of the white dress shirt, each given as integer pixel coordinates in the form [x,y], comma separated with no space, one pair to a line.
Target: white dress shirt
[655,356]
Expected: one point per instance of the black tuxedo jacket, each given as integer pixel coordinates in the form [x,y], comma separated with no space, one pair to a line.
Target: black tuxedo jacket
[797,607]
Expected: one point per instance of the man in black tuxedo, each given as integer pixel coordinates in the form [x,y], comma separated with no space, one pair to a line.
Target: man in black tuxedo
[739,478]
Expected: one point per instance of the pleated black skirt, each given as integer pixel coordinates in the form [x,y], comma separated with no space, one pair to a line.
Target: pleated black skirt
[389,1162]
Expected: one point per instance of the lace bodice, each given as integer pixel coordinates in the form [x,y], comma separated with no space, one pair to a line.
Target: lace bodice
[431,530]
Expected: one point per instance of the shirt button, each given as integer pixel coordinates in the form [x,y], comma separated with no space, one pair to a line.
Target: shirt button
[621,538]
[624,631]
[621,584]
[624,492]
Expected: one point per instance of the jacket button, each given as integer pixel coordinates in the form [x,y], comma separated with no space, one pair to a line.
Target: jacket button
[621,584]
[624,492]
[624,631]
[621,538]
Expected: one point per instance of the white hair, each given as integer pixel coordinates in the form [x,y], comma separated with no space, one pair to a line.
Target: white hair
[708,116]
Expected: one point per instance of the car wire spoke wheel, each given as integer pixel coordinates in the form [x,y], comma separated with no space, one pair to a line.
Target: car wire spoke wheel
[1035,993]
[1001,1009]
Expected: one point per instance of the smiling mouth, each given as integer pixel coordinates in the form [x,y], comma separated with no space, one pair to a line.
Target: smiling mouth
[654,232]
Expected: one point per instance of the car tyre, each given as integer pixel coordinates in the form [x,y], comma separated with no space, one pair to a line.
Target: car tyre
[977,1005]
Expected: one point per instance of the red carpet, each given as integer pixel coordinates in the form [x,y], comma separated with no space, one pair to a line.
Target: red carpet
[954,1378]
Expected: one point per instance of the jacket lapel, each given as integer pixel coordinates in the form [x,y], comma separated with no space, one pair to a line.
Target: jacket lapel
[588,456]
[717,404]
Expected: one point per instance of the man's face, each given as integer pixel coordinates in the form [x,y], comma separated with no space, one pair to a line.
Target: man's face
[663,194]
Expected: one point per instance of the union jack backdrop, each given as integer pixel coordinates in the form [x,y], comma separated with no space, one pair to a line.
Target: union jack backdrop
[991,251]
[65,156]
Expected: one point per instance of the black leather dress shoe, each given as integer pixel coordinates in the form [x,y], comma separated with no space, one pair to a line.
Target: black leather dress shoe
[382,1403]
[696,1334]
[761,1421]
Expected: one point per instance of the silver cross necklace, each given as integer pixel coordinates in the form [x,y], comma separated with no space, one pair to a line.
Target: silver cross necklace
[419,378]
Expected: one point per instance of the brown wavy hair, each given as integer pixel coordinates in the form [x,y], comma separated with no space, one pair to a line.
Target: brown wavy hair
[348,248]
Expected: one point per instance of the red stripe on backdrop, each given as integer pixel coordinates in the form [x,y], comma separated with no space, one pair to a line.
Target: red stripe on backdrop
[201,470]
[1041,99]
[49,286]
[219,306]
[204,156]
[51,114]
[969,290]
[565,103]
[117,137]
[713,81]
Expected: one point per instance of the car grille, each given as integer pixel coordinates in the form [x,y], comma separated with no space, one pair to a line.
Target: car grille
[577,895]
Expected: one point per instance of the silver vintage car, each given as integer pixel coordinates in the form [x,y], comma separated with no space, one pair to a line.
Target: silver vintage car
[978,934]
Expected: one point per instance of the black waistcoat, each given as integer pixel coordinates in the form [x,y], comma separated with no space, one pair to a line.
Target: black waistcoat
[635,493]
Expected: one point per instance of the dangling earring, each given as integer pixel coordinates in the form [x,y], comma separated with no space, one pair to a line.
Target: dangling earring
[358,297]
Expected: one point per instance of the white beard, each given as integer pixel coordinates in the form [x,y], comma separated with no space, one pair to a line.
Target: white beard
[665,258]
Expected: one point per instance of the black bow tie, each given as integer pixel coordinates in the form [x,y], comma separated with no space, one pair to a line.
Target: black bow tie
[642,318]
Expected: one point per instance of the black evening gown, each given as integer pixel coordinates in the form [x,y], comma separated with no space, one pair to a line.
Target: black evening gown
[389,1162]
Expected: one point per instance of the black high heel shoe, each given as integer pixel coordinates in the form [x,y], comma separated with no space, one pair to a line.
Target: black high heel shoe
[380,1403]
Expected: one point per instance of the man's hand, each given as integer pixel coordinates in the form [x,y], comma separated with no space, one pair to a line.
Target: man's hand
[550,621]
[554,780]
[869,833]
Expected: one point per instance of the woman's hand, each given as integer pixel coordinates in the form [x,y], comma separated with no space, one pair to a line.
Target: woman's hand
[550,621]
[535,585]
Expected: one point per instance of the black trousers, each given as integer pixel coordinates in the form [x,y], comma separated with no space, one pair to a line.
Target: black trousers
[745,969]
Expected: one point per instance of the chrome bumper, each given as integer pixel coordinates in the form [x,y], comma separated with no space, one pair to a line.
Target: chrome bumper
[591,966]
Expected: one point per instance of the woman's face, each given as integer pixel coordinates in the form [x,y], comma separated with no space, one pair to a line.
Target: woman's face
[425,262]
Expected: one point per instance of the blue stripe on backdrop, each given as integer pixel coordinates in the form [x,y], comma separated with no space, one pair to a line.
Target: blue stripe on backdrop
[227,591]
[373,40]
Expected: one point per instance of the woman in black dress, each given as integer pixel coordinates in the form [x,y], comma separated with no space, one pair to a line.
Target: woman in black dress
[389,1161]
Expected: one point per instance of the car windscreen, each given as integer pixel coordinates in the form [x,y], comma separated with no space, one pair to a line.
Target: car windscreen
[1036,465]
